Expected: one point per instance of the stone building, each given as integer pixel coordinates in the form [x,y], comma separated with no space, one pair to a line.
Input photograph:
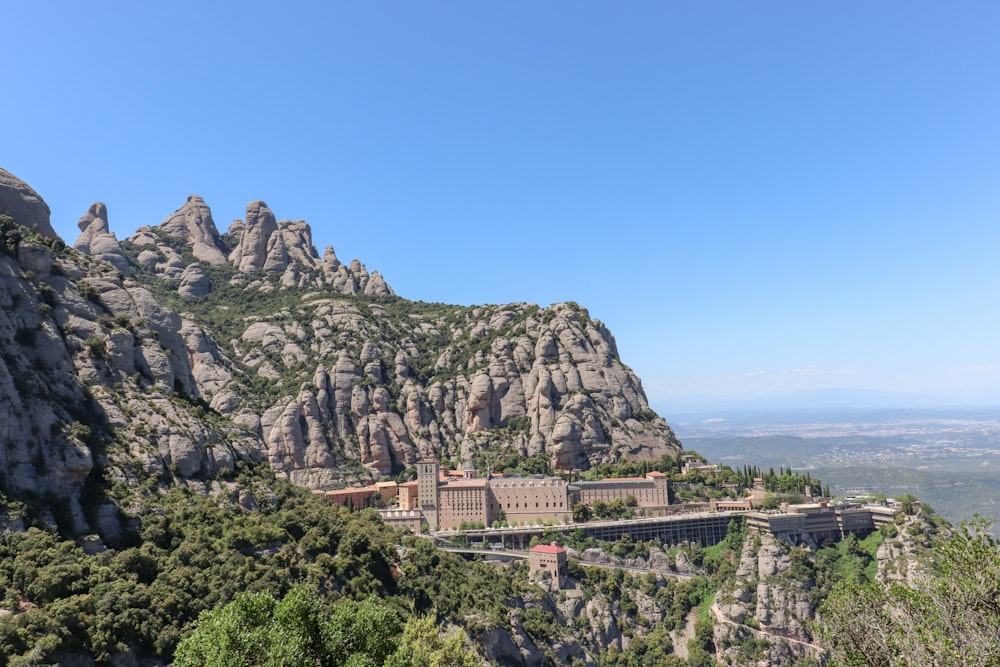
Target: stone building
[449,500]
[819,521]
[528,499]
[549,558]
[428,472]
[462,501]
[407,494]
[410,519]
[649,491]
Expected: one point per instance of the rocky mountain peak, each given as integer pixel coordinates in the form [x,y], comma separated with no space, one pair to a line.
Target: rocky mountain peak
[250,255]
[97,239]
[193,224]
[21,202]
[267,253]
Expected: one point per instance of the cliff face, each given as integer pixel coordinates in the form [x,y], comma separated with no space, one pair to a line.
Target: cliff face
[182,350]
[768,607]
[98,384]
[767,598]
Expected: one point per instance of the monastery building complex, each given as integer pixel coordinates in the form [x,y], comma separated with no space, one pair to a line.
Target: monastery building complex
[447,501]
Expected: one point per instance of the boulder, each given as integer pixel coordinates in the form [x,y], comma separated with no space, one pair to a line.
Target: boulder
[21,202]
[194,282]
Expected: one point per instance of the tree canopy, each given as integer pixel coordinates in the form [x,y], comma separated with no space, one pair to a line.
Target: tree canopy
[301,631]
[949,617]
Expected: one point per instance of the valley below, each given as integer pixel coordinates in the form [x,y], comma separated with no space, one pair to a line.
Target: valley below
[949,459]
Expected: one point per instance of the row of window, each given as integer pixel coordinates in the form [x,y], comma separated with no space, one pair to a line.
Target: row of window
[527,505]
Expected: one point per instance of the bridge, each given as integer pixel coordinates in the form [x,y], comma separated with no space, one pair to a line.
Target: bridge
[704,528]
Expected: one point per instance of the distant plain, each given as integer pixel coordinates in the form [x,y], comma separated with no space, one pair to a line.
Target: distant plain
[949,458]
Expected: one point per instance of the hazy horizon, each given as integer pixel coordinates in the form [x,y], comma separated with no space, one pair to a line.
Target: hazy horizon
[834,399]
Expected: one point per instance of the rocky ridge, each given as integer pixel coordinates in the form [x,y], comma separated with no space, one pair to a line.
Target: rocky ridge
[380,379]
[179,351]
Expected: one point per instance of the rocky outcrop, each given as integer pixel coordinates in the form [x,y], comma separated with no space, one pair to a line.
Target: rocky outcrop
[900,557]
[46,432]
[575,402]
[192,223]
[99,378]
[21,202]
[267,254]
[251,254]
[97,239]
[767,599]
[194,282]
[283,251]
[156,254]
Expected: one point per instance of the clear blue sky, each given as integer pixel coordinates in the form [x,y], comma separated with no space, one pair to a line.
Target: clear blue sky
[755,197]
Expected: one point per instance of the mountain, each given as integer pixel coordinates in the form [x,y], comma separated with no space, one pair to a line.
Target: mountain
[176,353]
[164,400]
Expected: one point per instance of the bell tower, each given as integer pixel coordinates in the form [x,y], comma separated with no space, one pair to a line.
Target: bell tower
[428,472]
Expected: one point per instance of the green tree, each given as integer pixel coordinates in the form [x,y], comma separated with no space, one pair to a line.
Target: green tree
[581,512]
[951,617]
[423,645]
[907,503]
[299,631]
[238,633]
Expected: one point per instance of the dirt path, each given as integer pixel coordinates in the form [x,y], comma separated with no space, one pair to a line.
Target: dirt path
[722,618]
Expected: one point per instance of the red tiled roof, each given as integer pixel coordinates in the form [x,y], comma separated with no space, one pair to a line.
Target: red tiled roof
[655,473]
[351,489]
[549,549]
[454,483]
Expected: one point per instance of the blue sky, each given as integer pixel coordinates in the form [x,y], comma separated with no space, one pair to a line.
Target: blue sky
[757,198]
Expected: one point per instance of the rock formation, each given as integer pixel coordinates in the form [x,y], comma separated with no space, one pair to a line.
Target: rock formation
[322,367]
[21,202]
[96,238]
[252,252]
[193,224]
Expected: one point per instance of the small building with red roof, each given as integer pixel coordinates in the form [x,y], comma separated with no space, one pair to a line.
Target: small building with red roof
[549,558]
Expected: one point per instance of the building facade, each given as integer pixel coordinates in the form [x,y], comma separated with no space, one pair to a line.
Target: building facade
[819,521]
[649,491]
[530,500]
[462,501]
[449,501]
[428,473]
